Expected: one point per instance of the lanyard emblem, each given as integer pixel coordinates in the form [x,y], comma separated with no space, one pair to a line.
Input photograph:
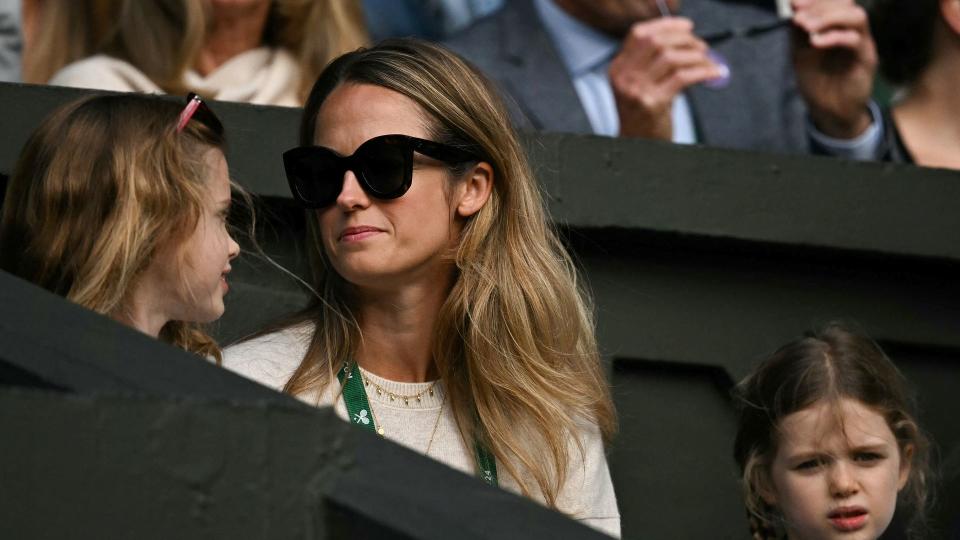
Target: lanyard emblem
[361,417]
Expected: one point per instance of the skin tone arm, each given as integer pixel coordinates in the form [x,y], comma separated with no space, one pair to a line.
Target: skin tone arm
[927,116]
[835,61]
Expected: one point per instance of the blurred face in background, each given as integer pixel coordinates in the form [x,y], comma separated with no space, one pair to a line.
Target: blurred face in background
[243,12]
[614,17]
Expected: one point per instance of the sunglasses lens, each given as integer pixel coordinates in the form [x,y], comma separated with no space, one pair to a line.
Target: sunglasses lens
[315,176]
[384,165]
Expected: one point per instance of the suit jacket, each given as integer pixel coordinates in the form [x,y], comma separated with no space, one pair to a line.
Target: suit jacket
[760,108]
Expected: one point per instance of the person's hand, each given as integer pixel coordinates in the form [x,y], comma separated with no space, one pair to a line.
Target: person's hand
[658,59]
[835,61]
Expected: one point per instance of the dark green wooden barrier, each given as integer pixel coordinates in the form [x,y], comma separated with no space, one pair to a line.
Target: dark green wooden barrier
[701,261]
[110,434]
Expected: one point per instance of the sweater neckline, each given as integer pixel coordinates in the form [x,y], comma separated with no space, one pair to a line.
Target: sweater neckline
[391,393]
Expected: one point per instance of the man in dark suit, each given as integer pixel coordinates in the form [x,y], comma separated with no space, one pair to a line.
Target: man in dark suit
[621,68]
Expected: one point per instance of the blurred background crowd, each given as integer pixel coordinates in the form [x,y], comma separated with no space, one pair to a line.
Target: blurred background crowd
[864,80]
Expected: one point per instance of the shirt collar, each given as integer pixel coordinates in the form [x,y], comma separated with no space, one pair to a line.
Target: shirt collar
[581,47]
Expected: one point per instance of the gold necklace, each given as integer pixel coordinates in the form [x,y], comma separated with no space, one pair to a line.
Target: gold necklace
[435,424]
[373,416]
[393,397]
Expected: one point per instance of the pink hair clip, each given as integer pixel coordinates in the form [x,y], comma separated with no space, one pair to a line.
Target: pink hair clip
[193,103]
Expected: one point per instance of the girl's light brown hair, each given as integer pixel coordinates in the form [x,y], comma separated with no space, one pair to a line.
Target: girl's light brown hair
[101,186]
[514,342]
[831,364]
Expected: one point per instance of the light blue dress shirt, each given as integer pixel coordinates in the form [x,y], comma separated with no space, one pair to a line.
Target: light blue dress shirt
[586,53]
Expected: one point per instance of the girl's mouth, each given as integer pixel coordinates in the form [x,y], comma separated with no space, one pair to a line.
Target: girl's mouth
[848,518]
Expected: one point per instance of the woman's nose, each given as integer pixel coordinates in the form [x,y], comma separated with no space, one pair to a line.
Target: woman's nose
[352,196]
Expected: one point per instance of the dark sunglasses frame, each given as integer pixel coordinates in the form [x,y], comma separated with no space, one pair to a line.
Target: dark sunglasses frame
[198,110]
[296,160]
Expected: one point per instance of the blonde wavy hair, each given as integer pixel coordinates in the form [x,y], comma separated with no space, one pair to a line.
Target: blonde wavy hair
[830,364]
[102,186]
[163,37]
[514,342]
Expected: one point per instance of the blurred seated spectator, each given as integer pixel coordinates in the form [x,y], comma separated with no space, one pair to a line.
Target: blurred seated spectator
[428,19]
[257,51]
[919,47]
[621,68]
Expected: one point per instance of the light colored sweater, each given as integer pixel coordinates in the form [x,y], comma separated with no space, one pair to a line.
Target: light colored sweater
[587,495]
[263,76]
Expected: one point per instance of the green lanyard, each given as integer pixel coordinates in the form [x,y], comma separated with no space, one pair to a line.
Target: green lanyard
[358,412]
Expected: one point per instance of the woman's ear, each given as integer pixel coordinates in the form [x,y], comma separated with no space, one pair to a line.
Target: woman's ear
[950,11]
[906,461]
[475,189]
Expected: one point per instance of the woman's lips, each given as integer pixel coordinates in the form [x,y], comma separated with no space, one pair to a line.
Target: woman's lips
[849,518]
[355,234]
[223,280]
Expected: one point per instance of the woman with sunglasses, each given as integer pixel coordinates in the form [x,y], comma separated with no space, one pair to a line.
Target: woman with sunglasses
[119,203]
[448,316]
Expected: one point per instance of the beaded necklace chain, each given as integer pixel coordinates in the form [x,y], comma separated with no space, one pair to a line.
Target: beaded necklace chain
[393,397]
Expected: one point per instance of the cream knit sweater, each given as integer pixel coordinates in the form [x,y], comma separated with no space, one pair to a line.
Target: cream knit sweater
[263,76]
[270,360]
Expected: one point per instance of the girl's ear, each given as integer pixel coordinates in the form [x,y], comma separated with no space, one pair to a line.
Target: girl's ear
[759,477]
[906,460]
[475,190]
[950,11]
[766,491]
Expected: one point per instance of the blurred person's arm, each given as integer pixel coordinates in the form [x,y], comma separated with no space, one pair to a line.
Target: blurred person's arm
[835,62]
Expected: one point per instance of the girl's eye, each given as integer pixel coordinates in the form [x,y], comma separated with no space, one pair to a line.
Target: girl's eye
[809,464]
[867,457]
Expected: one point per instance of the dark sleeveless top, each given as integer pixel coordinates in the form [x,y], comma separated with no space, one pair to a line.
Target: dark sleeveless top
[893,148]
